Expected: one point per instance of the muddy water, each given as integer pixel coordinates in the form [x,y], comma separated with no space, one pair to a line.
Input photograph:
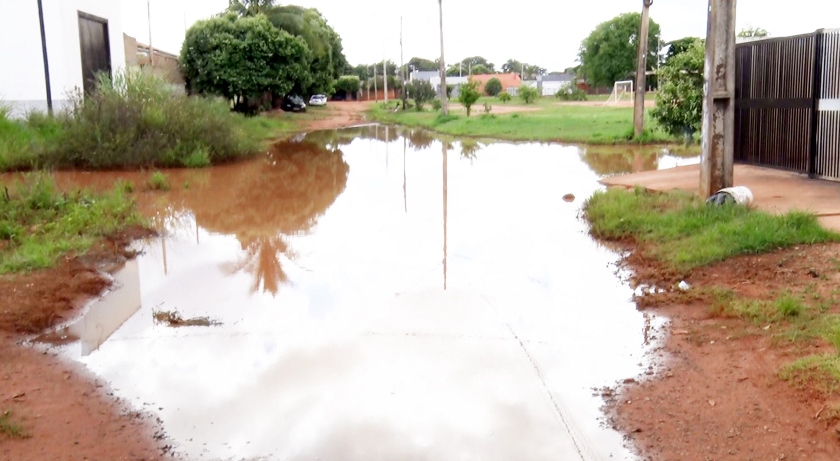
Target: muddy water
[382,295]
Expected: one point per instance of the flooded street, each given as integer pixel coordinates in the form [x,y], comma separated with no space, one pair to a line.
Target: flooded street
[382,295]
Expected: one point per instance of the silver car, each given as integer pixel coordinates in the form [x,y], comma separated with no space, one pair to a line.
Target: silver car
[318,100]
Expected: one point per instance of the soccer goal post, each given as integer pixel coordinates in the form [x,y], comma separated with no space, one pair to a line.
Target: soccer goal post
[622,91]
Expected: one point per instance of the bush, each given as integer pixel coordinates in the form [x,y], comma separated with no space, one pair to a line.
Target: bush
[469,95]
[571,92]
[528,94]
[350,84]
[504,96]
[158,181]
[679,101]
[421,92]
[134,120]
[436,104]
[493,86]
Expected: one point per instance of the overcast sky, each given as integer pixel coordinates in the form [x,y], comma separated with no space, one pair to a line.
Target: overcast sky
[533,31]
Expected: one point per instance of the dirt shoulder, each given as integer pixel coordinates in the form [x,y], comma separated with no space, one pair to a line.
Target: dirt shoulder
[719,393]
[63,412]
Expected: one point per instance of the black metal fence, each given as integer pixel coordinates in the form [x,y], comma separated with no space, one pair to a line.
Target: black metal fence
[787,103]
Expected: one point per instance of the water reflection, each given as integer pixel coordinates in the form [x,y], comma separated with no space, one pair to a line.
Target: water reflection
[612,160]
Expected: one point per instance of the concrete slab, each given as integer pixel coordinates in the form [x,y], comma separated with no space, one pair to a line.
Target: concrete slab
[775,191]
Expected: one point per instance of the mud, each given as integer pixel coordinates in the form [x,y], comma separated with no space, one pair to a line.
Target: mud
[719,394]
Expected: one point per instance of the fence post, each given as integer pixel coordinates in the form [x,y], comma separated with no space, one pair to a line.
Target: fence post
[813,148]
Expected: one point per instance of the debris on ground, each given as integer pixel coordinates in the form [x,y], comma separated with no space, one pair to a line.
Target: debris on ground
[174,319]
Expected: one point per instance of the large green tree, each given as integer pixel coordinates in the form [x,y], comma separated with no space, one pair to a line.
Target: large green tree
[422,64]
[249,7]
[240,57]
[679,46]
[527,71]
[609,53]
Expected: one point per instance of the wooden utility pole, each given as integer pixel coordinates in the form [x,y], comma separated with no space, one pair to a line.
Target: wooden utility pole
[444,105]
[46,59]
[151,48]
[719,99]
[375,89]
[385,78]
[402,64]
[641,69]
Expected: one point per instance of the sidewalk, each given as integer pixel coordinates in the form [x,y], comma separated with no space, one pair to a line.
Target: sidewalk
[773,190]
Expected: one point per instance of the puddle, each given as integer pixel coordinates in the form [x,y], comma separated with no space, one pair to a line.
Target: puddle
[381,295]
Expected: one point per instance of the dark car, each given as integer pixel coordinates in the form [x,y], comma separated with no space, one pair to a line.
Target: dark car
[292,103]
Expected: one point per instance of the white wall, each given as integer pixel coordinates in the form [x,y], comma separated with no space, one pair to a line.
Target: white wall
[22,83]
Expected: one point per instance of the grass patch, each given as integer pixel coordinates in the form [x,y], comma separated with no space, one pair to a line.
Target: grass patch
[174,319]
[685,233]
[158,181]
[39,223]
[550,121]
[818,371]
[10,428]
[134,120]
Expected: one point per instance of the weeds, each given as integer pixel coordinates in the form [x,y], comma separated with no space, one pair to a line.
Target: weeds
[39,223]
[11,428]
[158,181]
[174,319]
[685,233]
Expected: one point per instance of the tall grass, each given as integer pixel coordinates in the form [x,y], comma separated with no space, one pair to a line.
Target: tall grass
[686,233]
[133,120]
[39,223]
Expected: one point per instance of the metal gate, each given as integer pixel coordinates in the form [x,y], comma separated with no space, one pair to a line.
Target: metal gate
[787,106]
[95,49]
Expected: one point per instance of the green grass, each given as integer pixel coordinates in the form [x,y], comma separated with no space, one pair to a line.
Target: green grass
[10,428]
[685,233]
[820,371]
[158,181]
[551,121]
[39,223]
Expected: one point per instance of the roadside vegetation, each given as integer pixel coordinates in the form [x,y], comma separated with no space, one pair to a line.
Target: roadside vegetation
[10,428]
[543,120]
[134,120]
[681,231]
[39,223]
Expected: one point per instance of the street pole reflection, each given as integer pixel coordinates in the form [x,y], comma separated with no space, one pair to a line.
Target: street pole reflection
[445,182]
[405,199]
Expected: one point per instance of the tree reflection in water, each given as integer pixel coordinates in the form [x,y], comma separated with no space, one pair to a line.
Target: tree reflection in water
[469,149]
[262,203]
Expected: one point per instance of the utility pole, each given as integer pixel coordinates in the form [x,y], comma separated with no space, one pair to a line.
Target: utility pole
[444,105]
[375,89]
[46,60]
[402,64]
[641,69]
[719,99]
[151,48]
[385,78]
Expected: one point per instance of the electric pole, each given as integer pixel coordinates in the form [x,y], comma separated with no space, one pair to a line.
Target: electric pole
[402,64]
[385,78]
[444,105]
[718,129]
[46,59]
[375,89]
[151,48]
[641,69]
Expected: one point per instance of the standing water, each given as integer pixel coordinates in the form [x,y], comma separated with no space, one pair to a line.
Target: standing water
[381,295]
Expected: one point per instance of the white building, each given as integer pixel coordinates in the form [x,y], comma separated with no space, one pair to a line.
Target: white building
[82,37]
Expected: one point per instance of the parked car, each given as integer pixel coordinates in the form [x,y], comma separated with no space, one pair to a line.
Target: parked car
[293,103]
[318,100]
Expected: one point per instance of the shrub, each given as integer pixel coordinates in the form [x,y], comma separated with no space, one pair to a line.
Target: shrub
[504,96]
[679,101]
[528,94]
[135,120]
[158,181]
[493,86]
[436,104]
[469,95]
[421,92]
[571,92]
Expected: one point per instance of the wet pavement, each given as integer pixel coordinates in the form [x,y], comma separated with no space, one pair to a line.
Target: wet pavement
[382,295]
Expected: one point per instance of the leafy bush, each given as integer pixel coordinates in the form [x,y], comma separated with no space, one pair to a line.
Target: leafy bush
[421,92]
[493,86]
[504,96]
[571,92]
[436,104]
[679,101]
[350,84]
[469,95]
[134,120]
[22,142]
[528,94]
[158,181]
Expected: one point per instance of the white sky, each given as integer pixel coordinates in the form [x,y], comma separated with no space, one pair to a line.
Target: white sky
[533,31]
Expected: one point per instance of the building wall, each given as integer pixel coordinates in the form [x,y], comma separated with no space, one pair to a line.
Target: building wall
[22,85]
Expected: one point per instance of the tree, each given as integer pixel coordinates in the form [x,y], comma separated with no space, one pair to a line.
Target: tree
[504,96]
[527,71]
[241,57]
[493,87]
[678,46]
[422,64]
[528,94]
[421,92]
[512,66]
[469,95]
[679,101]
[249,7]
[609,52]
[349,84]
[478,61]
[480,69]
[750,31]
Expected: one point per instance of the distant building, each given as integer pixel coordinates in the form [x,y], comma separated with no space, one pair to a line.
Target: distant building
[166,65]
[83,37]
